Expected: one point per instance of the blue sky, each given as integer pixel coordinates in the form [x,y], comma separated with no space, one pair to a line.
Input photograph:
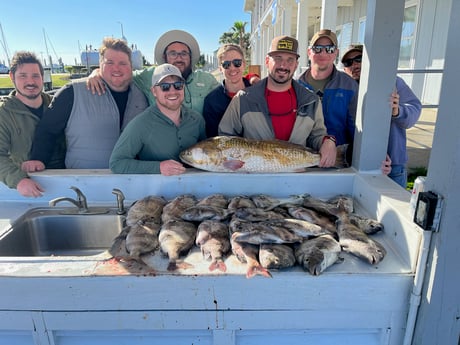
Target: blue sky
[71,25]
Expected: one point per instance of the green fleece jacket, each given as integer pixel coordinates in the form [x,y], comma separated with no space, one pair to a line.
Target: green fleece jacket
[17,128]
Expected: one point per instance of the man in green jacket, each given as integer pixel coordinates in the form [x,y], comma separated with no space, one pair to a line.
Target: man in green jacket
[19,115]
[180,49]
[151,142]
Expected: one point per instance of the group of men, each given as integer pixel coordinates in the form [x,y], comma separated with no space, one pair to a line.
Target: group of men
[139,122]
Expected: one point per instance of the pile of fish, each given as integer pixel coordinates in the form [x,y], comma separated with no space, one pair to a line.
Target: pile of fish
[261,231]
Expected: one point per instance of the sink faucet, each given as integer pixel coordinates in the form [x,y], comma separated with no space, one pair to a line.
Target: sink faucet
[120,199]
[80,202]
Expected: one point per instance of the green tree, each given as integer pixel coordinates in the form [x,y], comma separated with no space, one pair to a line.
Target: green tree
[237,35]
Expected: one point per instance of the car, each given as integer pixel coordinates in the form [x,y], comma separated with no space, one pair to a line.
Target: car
[4,69]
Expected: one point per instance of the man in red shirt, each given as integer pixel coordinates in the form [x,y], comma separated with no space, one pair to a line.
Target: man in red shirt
[278,107]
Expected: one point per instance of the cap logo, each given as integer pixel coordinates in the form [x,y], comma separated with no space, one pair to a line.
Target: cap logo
[285,45]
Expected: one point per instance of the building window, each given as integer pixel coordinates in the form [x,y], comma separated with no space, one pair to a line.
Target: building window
[407,37]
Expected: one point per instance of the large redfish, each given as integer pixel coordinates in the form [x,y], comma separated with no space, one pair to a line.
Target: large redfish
[236,154]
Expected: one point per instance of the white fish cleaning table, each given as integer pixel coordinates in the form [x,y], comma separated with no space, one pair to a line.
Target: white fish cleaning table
[91,299]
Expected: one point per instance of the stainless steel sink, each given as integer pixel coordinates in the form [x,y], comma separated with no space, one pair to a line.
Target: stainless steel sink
[61,231]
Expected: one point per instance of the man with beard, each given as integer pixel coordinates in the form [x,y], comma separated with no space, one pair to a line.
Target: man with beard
[180,49]
[19,115]
[91,124]
[152,142]
[337,91]
[278,107]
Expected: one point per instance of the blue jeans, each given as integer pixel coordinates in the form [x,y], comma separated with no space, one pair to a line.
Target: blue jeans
[399,175]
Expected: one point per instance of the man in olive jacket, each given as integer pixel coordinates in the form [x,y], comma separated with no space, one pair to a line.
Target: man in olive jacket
[19,114]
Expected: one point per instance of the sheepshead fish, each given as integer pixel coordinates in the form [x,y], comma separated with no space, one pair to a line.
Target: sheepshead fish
[355,241]
[147,209]
[176,238]
[259,232]
[174,209]
[248,253]
[344,200]
[276,256]
[268,202]
[142,239]
[198,213]
[255,214]
[240,201]
[216,200]
[213,239]
[317,254]
[299,227]
[312,216]
[236,154]
[368,225]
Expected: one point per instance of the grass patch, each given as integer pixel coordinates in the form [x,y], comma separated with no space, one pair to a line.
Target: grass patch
[413,174]
[58,80]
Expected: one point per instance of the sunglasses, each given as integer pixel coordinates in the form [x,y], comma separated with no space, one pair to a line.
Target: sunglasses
[330,49]
[178,85]
[349,62]
[236,62]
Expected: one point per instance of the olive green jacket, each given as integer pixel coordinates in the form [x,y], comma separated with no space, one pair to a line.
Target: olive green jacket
[17,128]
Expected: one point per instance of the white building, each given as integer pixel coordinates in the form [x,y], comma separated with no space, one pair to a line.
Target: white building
[420,60]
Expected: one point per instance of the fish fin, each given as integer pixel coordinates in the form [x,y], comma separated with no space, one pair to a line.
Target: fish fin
[174,265]
[341,157]
[233,164]
[254,270]
[218,264]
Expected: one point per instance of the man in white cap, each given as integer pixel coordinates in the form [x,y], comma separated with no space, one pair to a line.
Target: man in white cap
[180,49]
[152,142]
[278,107]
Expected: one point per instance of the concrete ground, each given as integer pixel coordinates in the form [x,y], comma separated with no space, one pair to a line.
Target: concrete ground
[420,139]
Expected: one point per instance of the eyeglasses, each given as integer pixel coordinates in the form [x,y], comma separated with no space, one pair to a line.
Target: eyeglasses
[178,85]
[349,62]
[236,62]
[173,54]
[330,49]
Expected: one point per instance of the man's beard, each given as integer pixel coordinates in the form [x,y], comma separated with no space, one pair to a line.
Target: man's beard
[29,96]
[187,72]
[281,82]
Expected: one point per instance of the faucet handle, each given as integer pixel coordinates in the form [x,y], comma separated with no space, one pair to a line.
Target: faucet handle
[81,198]
[120,199]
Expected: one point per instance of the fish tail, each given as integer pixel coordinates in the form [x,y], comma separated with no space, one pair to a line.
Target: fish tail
[257,270]
[219,265]
[341,157]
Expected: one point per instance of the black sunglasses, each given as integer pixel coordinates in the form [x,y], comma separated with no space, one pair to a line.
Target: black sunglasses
[330,49]
[349,62]
[178,85]
[236,62]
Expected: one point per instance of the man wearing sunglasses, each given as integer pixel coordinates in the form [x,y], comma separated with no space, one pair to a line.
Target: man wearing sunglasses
[351,61]
[151,142]
[231,65]
[405,112]
[278,107]
[337,91]
[180,49]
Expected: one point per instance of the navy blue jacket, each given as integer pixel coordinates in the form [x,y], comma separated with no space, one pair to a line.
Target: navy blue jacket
[215,104]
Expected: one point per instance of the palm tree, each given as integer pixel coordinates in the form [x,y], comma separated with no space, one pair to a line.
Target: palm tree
[237,35]
[239,30]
